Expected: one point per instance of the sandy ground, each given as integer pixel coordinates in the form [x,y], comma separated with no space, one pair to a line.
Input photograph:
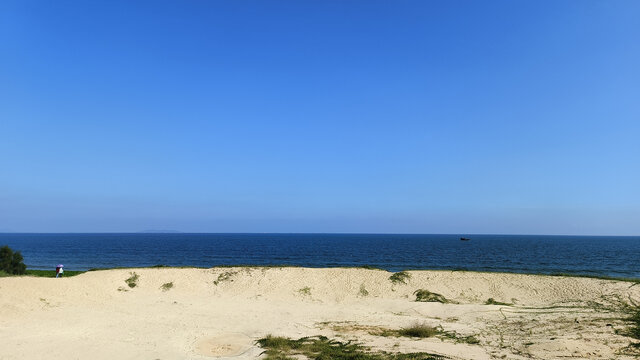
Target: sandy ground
[220,312]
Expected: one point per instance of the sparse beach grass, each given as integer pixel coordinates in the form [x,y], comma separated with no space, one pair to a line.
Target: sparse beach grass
[426,331]
[305,291]
[633,328]
[320,347]
[225,276]
[132,281]
[166,286]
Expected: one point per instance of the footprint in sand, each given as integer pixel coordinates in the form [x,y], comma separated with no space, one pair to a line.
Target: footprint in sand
[224,345]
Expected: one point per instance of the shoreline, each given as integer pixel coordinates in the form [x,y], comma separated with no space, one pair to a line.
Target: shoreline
[555,274]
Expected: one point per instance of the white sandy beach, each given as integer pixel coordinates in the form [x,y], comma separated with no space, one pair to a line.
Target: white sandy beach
[95,315]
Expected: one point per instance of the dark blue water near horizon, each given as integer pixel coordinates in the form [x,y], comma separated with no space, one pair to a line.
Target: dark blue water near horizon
[587,255]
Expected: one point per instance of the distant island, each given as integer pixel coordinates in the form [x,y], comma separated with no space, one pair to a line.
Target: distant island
[152,231]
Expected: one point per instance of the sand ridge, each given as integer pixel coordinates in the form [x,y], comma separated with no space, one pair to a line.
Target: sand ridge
[220,312]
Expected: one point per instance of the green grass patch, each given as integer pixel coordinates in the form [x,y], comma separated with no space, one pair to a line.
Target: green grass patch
[426,331]
[132,281]
[400,277]
[166,286]
[419,331]
[633,330]
[323,348]
[305,291]
[492,301]
[423,295]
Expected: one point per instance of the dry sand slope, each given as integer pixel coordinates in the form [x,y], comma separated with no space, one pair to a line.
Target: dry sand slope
[220,312]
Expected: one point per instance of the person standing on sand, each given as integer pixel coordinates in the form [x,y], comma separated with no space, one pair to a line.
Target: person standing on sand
[59,270]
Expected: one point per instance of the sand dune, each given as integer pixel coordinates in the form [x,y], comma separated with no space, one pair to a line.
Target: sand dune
[220,312]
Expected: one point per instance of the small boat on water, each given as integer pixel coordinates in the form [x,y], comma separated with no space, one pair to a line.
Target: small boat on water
[464,239]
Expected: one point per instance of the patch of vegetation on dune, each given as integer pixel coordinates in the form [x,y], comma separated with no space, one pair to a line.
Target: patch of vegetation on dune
[323,348]
[305,291]
[400,277]
[427,331]
[132,281]
[166,286]
[225,276]
[633,328]
[419,330]
[423,295]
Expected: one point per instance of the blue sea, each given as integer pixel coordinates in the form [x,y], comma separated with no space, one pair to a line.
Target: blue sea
[587,255]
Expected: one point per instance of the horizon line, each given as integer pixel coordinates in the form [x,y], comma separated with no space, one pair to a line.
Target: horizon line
[175,232]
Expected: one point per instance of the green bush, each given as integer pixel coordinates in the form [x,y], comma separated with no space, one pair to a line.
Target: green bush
[11,262]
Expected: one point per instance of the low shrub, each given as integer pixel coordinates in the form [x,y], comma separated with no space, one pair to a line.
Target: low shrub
[428,296]
[419,330]
[400,277]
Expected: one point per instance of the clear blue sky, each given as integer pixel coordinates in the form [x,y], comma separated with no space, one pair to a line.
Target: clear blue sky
[518,117]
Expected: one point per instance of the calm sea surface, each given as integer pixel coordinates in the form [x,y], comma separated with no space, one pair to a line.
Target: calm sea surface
[589,255]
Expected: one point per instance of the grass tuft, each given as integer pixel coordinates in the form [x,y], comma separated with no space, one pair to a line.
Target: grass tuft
[305,290]
[225,276]
[426,331]
[400,277]
[419,331]
[132,281]
[166,286]
[363,291]
[428,296]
